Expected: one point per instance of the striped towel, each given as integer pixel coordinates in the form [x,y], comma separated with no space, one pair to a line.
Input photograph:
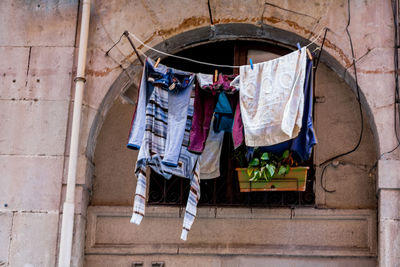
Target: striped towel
[151,154]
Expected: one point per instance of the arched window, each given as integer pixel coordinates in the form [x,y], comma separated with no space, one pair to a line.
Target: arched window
[224,190]
[336,227]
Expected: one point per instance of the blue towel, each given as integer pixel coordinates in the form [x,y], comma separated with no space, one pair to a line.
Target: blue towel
[223,115]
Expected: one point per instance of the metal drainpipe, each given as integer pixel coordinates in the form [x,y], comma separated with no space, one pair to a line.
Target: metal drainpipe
[67,226]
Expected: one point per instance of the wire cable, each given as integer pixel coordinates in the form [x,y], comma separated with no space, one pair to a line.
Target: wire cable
[313,40]
[322,180]
[358,100]
[396,100]
[396,78]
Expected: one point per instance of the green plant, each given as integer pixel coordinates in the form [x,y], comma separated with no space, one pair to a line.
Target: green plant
[266,165]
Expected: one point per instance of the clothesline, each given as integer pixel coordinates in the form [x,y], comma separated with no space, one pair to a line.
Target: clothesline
[202,62]
[164,115]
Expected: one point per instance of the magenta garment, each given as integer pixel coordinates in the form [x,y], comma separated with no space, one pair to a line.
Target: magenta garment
[237,130]
[204,105]
[206,98]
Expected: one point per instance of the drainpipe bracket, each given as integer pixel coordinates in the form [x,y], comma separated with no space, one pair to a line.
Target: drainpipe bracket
[80,79]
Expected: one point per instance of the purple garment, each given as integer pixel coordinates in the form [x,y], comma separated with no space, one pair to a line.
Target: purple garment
[222,84]
[204,104]
[237,130]
[206,98]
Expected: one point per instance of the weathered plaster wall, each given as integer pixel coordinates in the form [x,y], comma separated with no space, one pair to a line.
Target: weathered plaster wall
[37,45]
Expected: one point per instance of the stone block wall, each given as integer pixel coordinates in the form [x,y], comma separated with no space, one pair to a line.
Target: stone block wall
[38,51]
[37,47]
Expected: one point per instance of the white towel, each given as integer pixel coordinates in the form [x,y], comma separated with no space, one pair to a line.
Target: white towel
[204,79]
[272,99]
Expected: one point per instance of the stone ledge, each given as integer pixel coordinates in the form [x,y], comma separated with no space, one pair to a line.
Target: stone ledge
[234,231]
[225,261]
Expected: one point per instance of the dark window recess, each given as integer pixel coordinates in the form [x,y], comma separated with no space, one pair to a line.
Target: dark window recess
[224,191]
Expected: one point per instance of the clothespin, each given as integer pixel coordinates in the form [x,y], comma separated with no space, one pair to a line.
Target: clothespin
[299,47]
[157,62]
[309,54]
[216,76]
[251,64]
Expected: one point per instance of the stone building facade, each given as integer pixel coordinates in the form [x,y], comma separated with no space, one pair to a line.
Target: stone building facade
[357,225]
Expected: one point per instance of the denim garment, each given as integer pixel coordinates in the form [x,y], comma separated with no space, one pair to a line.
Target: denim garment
[138,120]
[177,105]
[303,144]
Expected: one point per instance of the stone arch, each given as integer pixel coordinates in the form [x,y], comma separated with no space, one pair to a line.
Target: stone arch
[220,32]
[203,35]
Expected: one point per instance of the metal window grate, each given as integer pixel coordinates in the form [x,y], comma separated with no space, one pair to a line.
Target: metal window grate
[224,190]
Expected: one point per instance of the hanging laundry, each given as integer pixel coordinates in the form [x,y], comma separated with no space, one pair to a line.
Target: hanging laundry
[207,96]
[224,84]
[210,158]
[223,115]
[138,120]
[204,105]
[238,129]
[227,101]
[301,146]
[163,122]
[175,82]
[235,83]
[272,99]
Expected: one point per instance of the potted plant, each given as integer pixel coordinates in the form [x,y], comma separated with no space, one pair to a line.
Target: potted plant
[269,172]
